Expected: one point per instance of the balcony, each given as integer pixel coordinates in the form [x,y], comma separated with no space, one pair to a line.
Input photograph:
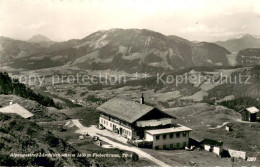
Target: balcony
[154,122]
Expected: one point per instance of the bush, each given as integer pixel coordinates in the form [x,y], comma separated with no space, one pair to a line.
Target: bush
[70,92]
[83,94]
[4,130]
[52,140]
[135,157]
[94,99]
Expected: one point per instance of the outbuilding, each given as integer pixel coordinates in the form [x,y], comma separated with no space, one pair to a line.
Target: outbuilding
[212,146]
[249,114]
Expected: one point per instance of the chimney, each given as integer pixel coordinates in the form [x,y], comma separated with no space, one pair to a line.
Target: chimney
[142,99]
[11,101]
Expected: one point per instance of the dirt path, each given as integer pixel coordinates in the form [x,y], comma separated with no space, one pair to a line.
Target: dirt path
[220,126]
[77,123]
[93,131]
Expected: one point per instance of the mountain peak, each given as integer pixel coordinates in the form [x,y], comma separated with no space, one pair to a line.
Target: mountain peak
[39,38]
[247,36]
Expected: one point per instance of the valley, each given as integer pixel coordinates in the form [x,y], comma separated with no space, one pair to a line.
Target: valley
[203,85]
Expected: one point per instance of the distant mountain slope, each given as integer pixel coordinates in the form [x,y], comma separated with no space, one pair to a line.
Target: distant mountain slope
[128,50]
[139,50]
[39,38]
[22,136]
[249,57]
[11,49]
[245,83]
[242,42]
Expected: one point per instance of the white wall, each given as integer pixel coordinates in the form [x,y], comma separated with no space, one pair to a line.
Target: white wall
[237,154]
[168,141]
[217,150]
[207,147]
[148,137]
[109,125]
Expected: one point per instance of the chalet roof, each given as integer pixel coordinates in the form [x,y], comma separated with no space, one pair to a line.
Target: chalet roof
[16,109]
[179,128]
[252,110]
[212,142]
[124,109]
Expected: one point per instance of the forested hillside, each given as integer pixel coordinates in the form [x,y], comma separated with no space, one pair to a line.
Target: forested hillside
[7,86]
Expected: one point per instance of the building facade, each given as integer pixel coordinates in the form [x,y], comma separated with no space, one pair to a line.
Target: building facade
[116,125]
[169,138]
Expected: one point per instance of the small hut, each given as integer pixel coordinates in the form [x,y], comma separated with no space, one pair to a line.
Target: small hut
[249,114]
[213,146]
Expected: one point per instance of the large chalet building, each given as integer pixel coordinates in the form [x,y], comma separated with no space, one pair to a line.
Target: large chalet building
[137,121]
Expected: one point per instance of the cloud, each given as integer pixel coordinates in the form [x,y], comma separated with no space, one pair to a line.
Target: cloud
[63,20]
[34,26]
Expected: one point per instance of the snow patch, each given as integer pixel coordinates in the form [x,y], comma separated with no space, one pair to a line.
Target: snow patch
[55,58]
[219,64]
[155,64]
[100,42]
[94,43]
[132,56]
[122,49]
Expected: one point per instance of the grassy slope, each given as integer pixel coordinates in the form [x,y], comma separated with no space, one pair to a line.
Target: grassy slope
[202,117]
[19,135]
[87,116]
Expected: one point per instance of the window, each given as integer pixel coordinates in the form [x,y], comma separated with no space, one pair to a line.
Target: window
[157,137]
[101,120]
[178,145]
[110,124]
[171,135]
[184,144]
[171,146]
[164,146]
[184,134]
[164,136]
[178,135]
[157,147]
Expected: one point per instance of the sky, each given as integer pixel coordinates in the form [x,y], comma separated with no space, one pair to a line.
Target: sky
[60,20]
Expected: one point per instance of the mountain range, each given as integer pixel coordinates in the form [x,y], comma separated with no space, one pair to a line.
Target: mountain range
[241,42]
[128,50]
